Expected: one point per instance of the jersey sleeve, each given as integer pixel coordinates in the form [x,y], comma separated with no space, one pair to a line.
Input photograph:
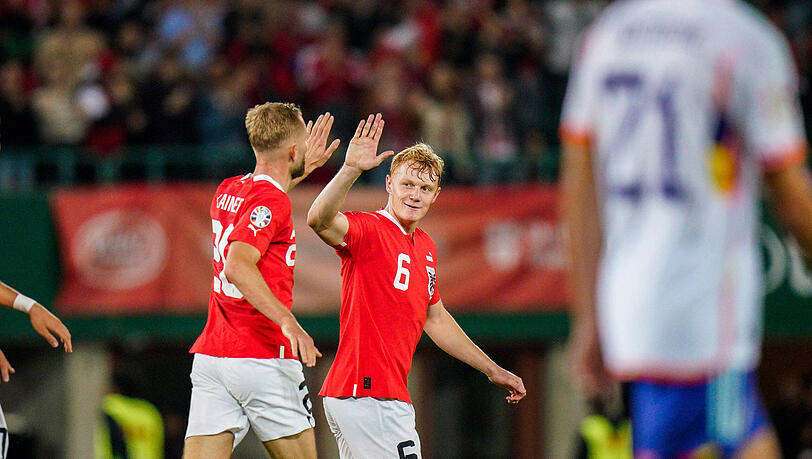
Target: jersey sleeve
[773,126]
[580,101]
[264,216]
[358,226]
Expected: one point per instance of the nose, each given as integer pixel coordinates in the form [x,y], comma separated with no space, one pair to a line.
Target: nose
[414,194]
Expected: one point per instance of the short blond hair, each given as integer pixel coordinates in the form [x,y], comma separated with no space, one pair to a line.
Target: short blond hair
[270,123]
[422,158]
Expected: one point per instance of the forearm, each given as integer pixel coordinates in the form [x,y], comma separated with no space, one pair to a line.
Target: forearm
[11,298]
[252,285]
[792,201]
[329,201]
[447,334]
[580,211]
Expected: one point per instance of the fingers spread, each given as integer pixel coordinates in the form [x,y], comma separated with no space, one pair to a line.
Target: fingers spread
[367,126]
[359,128]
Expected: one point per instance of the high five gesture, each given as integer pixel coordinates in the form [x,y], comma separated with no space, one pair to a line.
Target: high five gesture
[362,153]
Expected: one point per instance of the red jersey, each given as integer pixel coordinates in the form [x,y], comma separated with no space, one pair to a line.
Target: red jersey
[255,210]
[388,281]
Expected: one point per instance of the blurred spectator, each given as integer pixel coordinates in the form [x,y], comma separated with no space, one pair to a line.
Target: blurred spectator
[496,142]
[445,124]
[17,123]
[169,98]
[193,28]
[59,118]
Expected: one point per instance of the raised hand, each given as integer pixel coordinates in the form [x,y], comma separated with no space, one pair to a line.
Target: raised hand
[317,150]
[511,383]
[362,152]
[5,368]
[46,323]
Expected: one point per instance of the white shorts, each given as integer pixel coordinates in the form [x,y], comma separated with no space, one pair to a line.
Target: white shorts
[230,394]
[370,428]
[3,435]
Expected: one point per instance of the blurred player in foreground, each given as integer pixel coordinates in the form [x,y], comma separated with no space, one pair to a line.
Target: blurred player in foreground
[676,112]
[389,296]
[45,323]
[247,369]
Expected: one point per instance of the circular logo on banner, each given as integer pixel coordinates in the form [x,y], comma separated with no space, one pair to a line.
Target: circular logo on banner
[119,250]
[261,216]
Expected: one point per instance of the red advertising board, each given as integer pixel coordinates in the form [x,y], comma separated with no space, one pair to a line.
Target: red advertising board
[147,249]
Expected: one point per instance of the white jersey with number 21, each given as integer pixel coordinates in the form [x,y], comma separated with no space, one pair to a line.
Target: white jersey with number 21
[683,104]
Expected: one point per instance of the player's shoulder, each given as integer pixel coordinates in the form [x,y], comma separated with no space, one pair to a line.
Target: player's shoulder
[420,234]
[232,181]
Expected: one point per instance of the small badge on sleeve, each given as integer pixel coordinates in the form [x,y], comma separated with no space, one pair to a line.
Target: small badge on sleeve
[367,383]
[261,216]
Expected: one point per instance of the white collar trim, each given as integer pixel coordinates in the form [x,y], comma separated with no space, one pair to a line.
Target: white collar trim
[267,178]
[393,219]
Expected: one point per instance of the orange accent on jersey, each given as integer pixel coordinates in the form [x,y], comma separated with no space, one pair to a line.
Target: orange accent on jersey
[571,136]
[793,155]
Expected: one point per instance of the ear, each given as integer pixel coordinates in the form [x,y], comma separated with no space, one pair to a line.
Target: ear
[388,184]
[436,193]
[292,152]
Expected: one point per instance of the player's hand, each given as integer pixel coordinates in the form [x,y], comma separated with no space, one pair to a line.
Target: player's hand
[46,323]
[301,344]
[362,152]
[318,152]
[5,368]
[511,383]
[588,370]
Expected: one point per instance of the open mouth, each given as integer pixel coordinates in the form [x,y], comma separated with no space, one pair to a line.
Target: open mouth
[411,207]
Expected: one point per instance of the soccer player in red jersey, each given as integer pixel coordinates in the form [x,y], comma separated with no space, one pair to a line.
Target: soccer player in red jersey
[247,370]
[389,296]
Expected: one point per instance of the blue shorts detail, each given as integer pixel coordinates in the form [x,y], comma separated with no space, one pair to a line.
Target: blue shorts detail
[671,420]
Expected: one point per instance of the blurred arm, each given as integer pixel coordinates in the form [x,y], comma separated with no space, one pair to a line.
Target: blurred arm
[42,320]
[447,334]
[791,192]
[241,270]
[583,234]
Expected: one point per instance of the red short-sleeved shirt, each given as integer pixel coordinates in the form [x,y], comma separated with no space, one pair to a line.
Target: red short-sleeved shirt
[388,282]
[255,210]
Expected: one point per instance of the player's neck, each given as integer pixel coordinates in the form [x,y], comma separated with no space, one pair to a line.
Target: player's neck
[407,226]
[278,171]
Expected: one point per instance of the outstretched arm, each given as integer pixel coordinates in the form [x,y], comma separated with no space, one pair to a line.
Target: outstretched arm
[241,270]
[317,150]
[42,320]
[447,334]
[362,154]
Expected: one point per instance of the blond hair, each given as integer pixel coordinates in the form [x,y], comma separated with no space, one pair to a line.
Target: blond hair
[421,158]
[270,123]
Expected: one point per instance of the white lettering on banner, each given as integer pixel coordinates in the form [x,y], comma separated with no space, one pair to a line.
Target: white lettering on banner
[784,261]
[538,244]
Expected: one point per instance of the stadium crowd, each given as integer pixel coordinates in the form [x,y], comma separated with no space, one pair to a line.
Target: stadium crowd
[481,81]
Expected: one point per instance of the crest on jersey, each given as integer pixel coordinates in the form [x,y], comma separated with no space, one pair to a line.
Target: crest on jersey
[261,216]
[432,280]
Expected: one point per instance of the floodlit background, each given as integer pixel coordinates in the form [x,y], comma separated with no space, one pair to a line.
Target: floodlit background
[118,119]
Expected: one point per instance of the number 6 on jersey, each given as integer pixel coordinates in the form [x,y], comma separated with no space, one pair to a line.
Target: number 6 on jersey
[402,275]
